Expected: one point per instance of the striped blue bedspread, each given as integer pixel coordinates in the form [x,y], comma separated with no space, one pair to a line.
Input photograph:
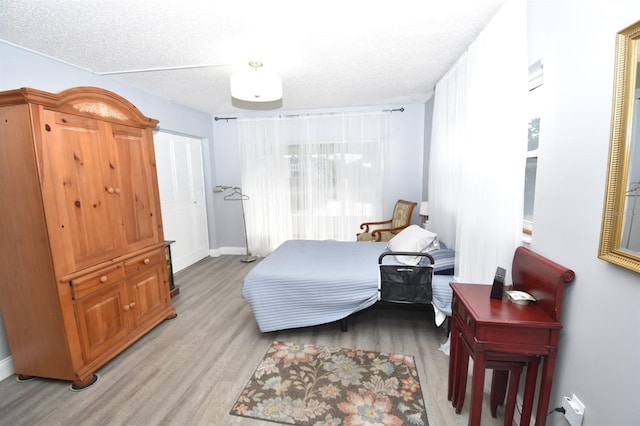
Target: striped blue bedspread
[305,282]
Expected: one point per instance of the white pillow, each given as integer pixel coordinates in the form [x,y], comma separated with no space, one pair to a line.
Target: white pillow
[435,245]
[412,238]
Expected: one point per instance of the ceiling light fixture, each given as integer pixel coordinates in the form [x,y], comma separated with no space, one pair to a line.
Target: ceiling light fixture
[256,84]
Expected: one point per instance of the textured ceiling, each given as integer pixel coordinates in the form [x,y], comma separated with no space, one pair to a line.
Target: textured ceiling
[329,54]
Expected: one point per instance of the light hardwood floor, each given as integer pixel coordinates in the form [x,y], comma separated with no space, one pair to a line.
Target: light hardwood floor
[190,370]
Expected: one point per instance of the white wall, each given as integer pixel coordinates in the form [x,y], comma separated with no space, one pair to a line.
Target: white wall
[600,341]
[20,68]
[403,178]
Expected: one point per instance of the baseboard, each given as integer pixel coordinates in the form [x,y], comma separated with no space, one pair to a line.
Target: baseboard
[239,251]
[6,368]
[186,261]
[215,252]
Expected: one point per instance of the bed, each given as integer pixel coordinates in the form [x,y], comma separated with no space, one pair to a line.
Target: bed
[306,282]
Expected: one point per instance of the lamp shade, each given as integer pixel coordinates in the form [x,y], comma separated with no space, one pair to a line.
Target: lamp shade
[256,85]
[423,209]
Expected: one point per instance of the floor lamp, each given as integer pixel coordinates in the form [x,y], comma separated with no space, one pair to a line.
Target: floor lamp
[237,195]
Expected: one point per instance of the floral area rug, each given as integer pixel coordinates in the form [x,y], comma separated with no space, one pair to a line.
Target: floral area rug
[321,386]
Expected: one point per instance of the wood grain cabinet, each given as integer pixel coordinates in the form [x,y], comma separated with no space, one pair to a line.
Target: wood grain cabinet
[82,243]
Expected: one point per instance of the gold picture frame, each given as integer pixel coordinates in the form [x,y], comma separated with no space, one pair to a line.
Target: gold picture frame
[620,233]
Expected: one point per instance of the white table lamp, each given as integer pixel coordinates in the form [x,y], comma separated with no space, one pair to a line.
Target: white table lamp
[424,212]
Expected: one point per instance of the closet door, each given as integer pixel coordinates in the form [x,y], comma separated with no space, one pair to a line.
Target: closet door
[182,196]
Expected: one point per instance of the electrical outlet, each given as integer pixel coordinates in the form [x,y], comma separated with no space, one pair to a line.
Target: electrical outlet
[573,410]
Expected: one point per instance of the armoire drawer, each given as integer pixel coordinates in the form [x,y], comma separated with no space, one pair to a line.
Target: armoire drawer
[87,284]
[138,263]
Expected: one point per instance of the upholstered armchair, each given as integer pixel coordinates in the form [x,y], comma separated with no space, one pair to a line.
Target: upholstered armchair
[386,229]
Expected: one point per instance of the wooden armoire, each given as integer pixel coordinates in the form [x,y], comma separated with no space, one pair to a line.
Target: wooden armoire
[81,243]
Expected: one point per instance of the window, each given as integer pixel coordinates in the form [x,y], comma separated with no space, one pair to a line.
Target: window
[325,178]
[311,176]
[535,95]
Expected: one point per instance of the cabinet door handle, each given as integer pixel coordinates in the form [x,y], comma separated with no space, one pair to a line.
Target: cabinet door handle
[126,308]
[111,190]
[146,261]
[103,279]
[132,305]
[117,190]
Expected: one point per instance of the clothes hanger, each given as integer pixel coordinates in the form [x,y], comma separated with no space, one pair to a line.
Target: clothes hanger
[236,195]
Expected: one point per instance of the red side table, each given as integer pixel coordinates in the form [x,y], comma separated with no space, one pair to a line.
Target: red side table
[491,330]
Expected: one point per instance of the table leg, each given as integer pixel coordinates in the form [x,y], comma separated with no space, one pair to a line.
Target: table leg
[529,391]
[499,379]
[453,346]
[477,389]
[514,382]
[548,366]
[462,369]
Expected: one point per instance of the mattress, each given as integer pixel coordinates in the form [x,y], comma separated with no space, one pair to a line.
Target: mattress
[307,282]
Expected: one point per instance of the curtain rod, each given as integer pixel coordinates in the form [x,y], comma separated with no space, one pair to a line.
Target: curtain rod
[298,115]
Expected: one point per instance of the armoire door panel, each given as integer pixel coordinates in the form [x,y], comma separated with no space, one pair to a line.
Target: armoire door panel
[80,213]
[102,320]
[147,293]
[130,159]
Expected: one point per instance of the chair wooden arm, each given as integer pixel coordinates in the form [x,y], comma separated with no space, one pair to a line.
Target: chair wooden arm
[365,226]
[377,233]
[401,219]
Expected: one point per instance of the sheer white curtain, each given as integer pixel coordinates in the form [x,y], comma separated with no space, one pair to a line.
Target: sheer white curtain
[311,177]
[478,148]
